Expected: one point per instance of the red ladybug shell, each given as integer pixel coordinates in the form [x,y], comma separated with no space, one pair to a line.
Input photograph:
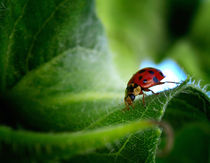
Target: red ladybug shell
[147,77]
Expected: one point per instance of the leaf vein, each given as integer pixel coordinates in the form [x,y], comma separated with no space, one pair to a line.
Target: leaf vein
[39,31]
[7,56]
[123,146]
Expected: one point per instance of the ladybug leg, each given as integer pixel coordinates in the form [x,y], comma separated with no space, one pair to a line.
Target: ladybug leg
[147,89]
[143,99]
[154,93]
[142,93]
[159,83]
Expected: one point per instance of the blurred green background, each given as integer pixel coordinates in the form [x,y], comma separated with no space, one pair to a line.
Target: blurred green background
[156,30]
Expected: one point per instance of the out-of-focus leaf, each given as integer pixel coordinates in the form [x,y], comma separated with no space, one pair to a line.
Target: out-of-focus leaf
[52,146]
[34,33]
[136,30]
[145,29]
[151,30]
[180,15]
[190,62]
[54,50]
[200,38]
[191,144]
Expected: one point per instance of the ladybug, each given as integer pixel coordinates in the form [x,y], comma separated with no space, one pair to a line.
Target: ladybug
[141,81]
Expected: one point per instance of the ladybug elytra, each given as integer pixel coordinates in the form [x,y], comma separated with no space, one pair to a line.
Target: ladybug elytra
[141,81]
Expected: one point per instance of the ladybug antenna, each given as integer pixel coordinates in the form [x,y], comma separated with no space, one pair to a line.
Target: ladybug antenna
[172,82]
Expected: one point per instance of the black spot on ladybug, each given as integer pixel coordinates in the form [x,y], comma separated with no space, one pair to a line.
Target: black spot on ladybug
[155,80]
[140,77]
[151,72]
[161,74]
[145,81]
[141,71]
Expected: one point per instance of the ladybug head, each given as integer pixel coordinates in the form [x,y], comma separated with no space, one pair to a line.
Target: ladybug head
[129,99]
[131,92]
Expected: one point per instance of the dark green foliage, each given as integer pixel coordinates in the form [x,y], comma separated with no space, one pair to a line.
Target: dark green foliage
[180,16]
[190,121]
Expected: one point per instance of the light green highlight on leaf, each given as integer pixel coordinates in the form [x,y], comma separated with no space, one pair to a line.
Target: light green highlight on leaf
[68,144]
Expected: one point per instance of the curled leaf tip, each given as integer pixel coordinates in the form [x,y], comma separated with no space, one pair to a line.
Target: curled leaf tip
[169,135]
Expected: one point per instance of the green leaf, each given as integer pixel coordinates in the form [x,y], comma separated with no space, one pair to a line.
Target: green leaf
[61,98]
[189,118]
